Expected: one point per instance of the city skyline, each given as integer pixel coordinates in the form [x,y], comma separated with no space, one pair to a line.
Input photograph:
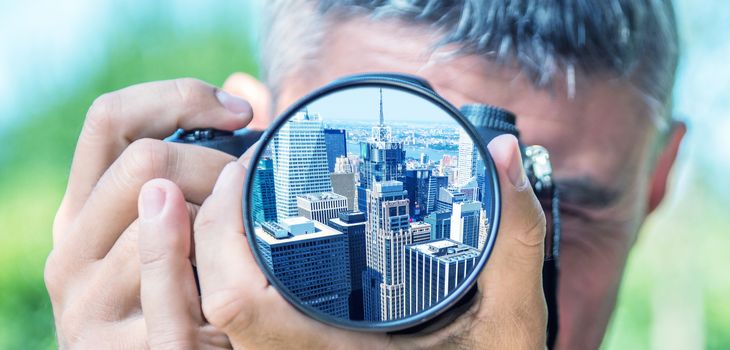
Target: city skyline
[365,206]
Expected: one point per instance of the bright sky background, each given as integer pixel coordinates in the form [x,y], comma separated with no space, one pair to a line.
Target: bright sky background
[362,104]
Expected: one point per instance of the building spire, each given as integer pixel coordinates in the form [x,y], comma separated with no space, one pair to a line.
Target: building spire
[382,121]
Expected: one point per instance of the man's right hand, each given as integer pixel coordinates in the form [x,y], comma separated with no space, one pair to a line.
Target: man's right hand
[93,271]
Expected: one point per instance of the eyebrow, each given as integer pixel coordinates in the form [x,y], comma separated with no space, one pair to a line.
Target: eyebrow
[586,192]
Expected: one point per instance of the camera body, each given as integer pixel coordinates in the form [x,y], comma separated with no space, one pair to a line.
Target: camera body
[489,122]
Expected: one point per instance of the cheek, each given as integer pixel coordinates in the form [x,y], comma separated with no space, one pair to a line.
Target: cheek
[592,259]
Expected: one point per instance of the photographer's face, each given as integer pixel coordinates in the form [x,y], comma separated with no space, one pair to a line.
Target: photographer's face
[600,143]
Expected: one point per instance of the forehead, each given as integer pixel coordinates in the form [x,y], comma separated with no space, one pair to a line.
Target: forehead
[602,133]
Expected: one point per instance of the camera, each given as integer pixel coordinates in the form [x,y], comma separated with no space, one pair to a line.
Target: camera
[372,203]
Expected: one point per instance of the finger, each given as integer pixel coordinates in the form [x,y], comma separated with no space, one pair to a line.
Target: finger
[112,205]
[252,90]
[228,273]
[122,262]
[152,110]
[515,267]
[168,294]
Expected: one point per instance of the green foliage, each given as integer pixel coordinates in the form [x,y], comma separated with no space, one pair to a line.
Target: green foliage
[34,174]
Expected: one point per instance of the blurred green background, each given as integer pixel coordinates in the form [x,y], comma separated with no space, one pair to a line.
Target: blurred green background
[55,59]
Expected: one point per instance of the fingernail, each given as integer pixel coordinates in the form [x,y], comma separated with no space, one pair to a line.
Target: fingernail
[232,103]
[225,176]
[153,200]
[505,150]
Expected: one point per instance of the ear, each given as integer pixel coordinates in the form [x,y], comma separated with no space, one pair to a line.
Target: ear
[256,93]
[664,165]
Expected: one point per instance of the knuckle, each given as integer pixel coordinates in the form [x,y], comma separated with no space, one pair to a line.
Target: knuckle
[101,113]
[60,223]
[190,90]
[535,226]
[53,274]
[173,339]
[226,310]
[153,258]
[145,159]
[203,222]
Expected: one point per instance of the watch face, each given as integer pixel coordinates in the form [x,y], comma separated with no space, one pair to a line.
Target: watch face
[372,206]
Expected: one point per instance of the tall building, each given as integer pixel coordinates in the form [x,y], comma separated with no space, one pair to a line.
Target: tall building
[435,183]
[465,222]
[344,165]
[383,159]
[433,270]
[440,222]
[336,141]
[387,232]
[321,206]
[344,185]
[352,224]
[344,182]
[311,260]
[300,162]
[421,232]
[468,157]
[417,185]
[470,189]
[483,230]
[263,193]
[447,197]
[424,158]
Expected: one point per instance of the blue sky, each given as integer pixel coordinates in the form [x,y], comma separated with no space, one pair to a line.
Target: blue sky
[362,104]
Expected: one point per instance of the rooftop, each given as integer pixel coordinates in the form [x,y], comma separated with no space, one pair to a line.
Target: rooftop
[321,196]
[321,231]
[446,250]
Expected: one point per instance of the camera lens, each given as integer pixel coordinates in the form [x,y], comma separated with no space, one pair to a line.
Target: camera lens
[372,204]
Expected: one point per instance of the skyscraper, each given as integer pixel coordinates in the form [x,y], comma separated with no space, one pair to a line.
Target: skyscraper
[387,232]
[336,141]
[311,260]
[468,157]
[417,185]
[470,189]
[483,230]
[421,232]
[465,222]
[440,222]
[300,162]
[433,270]
[263,193]
[447,197]
[352,224]
[383,159]
[321,206]
[435,183]
[343,181]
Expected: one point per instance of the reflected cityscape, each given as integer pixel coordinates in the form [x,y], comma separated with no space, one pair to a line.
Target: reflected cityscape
[374,233]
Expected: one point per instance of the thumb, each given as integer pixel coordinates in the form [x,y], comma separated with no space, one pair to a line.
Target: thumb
[256,93]
[167,291]
[512,279]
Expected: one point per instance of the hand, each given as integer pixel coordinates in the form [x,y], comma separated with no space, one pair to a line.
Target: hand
[93,272]
[510,311]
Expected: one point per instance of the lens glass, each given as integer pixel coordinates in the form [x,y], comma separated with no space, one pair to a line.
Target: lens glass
[370,205]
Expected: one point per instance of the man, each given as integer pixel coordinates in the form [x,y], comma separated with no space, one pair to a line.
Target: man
[590,80]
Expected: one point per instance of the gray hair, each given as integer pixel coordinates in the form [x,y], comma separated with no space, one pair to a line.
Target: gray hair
[632,39]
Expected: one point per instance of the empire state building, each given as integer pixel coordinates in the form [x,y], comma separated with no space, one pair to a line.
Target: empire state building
[383,159]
